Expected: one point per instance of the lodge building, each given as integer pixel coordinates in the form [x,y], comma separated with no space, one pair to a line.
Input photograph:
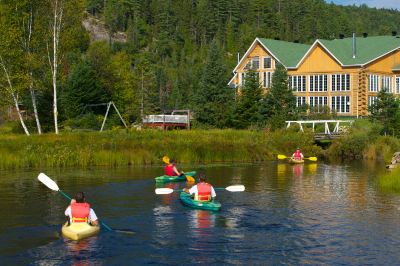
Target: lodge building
[343,74]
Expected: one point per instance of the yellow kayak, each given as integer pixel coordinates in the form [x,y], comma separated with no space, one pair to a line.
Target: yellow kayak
[78,231]
[291,160]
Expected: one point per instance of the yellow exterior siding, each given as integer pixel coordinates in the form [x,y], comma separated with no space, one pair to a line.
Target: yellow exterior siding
[385,64]
[318,61]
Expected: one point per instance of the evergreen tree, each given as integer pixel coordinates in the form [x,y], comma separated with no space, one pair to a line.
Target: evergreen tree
[247,105]
[82,88]
[213,97]
[279,104]
[386,111]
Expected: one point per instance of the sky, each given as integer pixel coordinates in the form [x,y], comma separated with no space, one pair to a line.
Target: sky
[371,3]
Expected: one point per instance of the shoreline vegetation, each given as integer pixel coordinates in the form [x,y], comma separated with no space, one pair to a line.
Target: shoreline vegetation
[146,147]
[119,147]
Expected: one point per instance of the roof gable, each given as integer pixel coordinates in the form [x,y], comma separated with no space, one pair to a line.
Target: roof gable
[288,53]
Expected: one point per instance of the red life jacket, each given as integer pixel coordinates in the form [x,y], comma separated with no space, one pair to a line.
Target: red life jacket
[169,170]
[297,155]
[80,212]
[203,191]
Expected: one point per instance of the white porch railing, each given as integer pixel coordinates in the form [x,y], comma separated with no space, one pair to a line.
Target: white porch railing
[326,123]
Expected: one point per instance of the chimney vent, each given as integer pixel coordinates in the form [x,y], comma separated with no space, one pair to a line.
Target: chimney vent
[354,45]
[394,33]
[365,34]
[341,36]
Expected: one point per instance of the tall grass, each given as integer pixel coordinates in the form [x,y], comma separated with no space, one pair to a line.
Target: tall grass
[117,148]
[390,182]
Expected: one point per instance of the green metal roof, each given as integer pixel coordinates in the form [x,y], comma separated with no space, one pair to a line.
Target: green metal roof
[288,53]
[367,49]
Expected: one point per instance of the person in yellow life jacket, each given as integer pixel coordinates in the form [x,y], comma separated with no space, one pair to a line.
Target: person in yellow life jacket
[171,170]
[297,155]
[202,191]
[80,212]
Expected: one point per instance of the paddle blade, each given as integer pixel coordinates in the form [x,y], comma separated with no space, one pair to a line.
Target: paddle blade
[48,182]
[165,159]
[235,188]
[314,159]
[190,179]
[163,191]
[281,157]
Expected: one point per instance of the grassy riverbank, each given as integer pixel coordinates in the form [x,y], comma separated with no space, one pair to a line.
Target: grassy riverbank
[390,182]
[364,142]
[119,148]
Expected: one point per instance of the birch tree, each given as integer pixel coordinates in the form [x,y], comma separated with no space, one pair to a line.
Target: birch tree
[53,51]
[11,79]
[27,25]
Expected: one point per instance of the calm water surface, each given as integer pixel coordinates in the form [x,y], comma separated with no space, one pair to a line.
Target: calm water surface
[313,214]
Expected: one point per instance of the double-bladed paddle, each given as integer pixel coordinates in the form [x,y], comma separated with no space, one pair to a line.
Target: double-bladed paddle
[281,157]
[234,188]
[48,182]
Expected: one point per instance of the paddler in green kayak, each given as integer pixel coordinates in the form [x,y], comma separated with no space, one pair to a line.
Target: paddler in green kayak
[202,191]
[171,170]
[80,212]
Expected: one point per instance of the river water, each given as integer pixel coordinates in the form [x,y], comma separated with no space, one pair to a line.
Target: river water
[312,214]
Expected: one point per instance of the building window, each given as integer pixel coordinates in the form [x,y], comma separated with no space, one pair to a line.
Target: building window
[387,83]
[340,82]
[318,103]
[267,62]
[398,85]
[373,83]
[372,100]
[253,64]
[340,104]
[266,78]
[297,83]
[300,101]
[318,83]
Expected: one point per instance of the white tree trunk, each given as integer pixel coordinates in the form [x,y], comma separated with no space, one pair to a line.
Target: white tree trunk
[57,19]
[33,96]
[14,95]
[26,42]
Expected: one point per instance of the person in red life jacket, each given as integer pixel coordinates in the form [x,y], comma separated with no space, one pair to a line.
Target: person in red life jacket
[202,191]
[80,212]
[297,155]
[170,169]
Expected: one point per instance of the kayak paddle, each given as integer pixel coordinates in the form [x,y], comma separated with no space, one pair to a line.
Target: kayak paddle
[188,177]
[234,188]
[281,157]
[48,182]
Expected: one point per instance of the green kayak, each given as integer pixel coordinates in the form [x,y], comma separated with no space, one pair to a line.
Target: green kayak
[166,178]
[204,205]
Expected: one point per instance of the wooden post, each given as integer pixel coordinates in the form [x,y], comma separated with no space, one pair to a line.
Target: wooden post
[105,117]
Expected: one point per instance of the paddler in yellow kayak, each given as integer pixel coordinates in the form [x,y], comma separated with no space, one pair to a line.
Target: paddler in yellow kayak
[297,155]
[80,212]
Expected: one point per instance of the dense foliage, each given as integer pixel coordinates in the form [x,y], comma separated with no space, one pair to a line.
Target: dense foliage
[177,54]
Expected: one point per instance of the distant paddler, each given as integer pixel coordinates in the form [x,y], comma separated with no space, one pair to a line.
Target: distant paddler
[297,155]
[171,170]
